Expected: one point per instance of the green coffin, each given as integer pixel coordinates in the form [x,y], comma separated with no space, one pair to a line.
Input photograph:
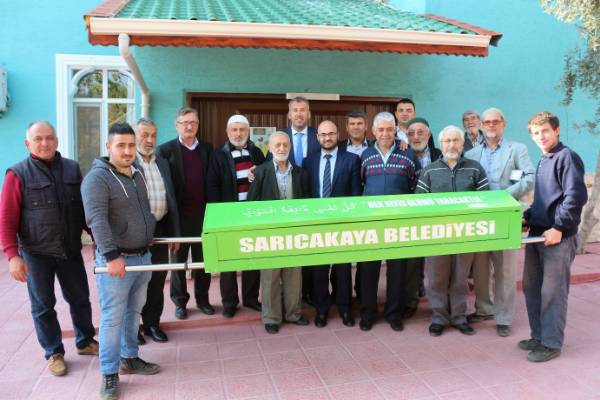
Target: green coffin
[291,233]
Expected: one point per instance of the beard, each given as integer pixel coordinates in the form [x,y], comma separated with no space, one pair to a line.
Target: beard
[281,157]
[144,152]
[490,135]
[419,146]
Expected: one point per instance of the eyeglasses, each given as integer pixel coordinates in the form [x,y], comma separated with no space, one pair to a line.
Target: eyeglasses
[186,123]
[327,134]
[494,122]
[448,141]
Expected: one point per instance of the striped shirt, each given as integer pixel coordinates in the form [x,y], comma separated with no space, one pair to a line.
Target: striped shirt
[243,163]
[157,194]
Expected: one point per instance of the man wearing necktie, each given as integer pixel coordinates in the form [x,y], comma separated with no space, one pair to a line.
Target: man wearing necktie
[303,139]
[333,173]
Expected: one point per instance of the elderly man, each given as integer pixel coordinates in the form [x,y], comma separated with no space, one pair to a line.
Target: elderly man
[419,137]
[279,179]
[117,210]
[508,167]
[448,290]
[333,173]
[227,180]
[41,220]
[385,170]
[559,197]
[163,206]
[189,159]
[473,134]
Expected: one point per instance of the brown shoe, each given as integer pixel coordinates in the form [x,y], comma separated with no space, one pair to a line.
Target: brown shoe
[90,350]
[56,365]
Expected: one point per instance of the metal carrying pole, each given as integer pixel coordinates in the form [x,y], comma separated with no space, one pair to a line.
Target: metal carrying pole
[184,266]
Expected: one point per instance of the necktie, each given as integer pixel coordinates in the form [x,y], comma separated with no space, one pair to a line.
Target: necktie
[299,153]
[327,176]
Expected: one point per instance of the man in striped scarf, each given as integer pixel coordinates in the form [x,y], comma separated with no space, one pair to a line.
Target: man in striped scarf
[227,180]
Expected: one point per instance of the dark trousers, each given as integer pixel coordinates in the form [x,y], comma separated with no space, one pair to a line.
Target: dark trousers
[307,283]
[155,298]
[74,286]
[546,279]
[190,226]
[413,276]
[229,288]
[395,289]
[342,278]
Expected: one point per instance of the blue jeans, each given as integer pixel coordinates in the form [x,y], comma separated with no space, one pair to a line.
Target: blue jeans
[546,280]
[73,283]
[121,302]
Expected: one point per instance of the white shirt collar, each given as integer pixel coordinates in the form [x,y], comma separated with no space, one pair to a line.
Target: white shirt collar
[305,130]
[192,147]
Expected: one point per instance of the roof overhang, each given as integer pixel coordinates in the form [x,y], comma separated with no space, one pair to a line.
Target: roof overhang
[104,28]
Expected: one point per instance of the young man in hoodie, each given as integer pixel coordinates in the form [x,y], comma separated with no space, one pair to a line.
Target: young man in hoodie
[118,212]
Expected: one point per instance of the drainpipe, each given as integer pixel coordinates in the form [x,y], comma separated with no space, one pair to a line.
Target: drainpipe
[125,52]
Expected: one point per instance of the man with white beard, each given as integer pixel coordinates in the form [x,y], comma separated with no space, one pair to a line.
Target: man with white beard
[279,179]
[419,133]
[447,289]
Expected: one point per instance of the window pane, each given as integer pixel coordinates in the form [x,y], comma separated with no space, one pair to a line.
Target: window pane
[87,130]
[120,86]
[90,85]
[117,113]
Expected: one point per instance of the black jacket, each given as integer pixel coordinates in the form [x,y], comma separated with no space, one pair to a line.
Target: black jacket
[171,151]
[264,186]
[221,180]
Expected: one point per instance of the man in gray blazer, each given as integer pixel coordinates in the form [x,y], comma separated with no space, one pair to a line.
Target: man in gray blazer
[508,167]
[163,206]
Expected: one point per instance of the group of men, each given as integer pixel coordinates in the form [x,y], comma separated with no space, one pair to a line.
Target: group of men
[141,191]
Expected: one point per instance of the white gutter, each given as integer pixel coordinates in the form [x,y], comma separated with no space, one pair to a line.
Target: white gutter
[125,52]
[193,28]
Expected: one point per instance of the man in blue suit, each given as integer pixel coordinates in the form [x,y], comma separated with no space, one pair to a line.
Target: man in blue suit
[508,167]
[333,173]
[303,139]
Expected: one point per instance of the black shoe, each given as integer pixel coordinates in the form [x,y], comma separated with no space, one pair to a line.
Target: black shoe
[254,306]
[320,321]
[397,325]
[503,330]
[436,329]
[206,308]
[272,328]
[409,312]
[181,312]
[157,334]
[347,319]
[471,318]
[465,329]
[138,366]
[529,344]
[141,340]
[110,387]
[543,353]
[300,321]
[365,325]
[228,312]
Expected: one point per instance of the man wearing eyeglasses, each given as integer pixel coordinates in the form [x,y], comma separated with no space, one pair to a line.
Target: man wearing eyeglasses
[508,167]
[333,172]
[447,288]
[188,159]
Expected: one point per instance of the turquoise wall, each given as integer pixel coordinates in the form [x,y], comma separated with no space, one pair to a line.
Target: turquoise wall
[519,76]
[31,34]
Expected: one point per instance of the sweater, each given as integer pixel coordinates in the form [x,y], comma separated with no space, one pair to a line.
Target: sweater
[396,176]
[438,177]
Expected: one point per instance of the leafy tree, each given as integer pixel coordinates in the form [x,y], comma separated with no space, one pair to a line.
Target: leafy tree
[582,72]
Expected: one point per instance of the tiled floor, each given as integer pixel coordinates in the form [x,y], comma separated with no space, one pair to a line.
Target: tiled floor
[210,358]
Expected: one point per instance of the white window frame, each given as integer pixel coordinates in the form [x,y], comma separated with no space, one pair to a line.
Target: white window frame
[65,63]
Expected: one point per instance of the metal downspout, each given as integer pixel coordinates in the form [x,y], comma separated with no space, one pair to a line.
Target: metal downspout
[125,52]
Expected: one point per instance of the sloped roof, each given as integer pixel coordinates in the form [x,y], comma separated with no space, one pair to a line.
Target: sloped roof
[355,25]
